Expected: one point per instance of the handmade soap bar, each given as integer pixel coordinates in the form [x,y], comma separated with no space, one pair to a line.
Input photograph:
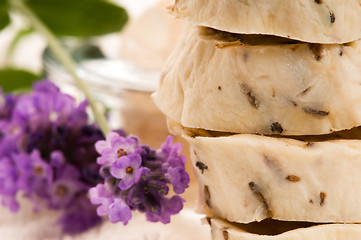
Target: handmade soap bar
[246,177]
[256,84]
[319,21]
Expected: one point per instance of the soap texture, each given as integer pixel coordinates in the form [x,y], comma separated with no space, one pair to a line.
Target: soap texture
[245,177]
[318,21]
[260,84]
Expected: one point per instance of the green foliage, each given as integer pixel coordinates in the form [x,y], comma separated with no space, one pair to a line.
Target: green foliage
[4,16]
[16,79]
[81,18]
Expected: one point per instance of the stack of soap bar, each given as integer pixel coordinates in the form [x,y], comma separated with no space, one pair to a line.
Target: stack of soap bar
[268,95]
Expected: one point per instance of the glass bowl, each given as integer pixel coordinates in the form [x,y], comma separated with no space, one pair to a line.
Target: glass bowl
[123,90]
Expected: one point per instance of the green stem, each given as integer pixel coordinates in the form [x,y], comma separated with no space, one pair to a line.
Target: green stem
[63,57]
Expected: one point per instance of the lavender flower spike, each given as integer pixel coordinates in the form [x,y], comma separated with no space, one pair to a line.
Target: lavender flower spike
[137,177]
[47,154]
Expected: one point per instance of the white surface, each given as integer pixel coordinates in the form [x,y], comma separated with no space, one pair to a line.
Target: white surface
[26,225]
[185,226]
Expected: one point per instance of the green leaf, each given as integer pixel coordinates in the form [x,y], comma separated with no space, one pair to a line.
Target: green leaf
[4,15]
[81,18]
[16,79]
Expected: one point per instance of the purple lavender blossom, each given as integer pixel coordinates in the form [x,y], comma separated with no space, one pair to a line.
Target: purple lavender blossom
[66,187]
[167,207]
[42,174]
[79,216]
[174,165]
[139,180]
[128,169]
[34,176]
[45,87]
[119,211]
[47,152]
[116,146]
[7,103]
[43,106]
[100,195]
[179,178]
[116,208]
[8,184]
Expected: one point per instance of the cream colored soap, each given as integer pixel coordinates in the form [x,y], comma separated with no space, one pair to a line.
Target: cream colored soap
[322,21]
[222,230]
[255,84]
[246,177]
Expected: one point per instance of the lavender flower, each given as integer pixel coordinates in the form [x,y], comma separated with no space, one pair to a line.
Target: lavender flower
[47,152]
[127,169]
[100,195]
[7,103]
[119,211]
[136,177]
[79,215]
[174,165]
[8,183]
[65,188]
[167,207]
[115,147]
